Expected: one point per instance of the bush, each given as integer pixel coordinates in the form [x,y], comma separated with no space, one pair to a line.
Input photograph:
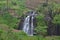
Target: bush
[42,11]
[8,20]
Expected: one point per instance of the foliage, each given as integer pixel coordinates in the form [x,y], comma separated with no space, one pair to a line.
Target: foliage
[41,24]
[19,6]
[11,35]
[8,22]
[56,19]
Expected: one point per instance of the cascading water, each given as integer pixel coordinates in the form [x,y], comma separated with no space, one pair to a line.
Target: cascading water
[28,26]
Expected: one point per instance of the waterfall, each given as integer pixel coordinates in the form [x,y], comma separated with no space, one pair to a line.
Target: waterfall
[28,26]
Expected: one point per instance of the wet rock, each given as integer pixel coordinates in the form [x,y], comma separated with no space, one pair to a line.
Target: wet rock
[20,26]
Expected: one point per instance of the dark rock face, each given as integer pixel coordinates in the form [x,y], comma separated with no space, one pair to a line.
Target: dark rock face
[53,29]
[57,29]
[35,22]
[48,20]
[20,26]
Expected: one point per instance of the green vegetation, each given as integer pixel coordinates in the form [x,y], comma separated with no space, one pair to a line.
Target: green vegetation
[9,23]
[57,19]
[42,12]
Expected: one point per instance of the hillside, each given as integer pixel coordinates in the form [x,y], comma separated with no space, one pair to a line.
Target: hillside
[46,23]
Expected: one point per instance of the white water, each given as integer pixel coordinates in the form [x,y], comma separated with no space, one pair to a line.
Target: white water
[27,27]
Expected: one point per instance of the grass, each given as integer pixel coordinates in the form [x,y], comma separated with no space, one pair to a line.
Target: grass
[7,33]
